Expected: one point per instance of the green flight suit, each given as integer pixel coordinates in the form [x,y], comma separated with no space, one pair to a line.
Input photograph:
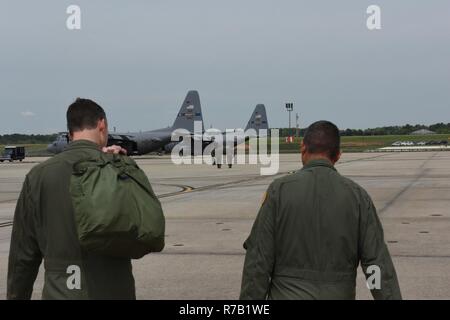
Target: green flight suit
[44,228]
[313,230]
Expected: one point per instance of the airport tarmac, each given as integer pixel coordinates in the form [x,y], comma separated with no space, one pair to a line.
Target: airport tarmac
[209,214]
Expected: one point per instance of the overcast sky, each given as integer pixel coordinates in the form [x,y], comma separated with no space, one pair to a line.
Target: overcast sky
[138,59]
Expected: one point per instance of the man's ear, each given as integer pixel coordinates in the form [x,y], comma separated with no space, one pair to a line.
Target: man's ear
[302,147]
[338,156]
[101,125]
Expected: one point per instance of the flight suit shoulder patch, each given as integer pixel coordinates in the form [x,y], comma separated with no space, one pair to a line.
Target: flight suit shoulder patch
[264,198]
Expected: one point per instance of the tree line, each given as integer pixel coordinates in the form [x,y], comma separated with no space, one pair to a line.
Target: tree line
[439,128]
[18,138]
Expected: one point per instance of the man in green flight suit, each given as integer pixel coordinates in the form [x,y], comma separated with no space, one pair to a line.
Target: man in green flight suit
[44,224]
[313,230]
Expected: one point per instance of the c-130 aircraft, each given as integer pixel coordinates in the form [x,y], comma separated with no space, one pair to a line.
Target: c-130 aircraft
[139,143]
[160,140]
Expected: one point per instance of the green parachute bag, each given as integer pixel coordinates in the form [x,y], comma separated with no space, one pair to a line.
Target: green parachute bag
[116,211]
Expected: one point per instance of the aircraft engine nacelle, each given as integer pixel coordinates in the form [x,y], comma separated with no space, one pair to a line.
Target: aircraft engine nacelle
[169,147]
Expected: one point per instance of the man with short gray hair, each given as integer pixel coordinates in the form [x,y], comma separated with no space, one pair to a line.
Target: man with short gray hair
[313,230]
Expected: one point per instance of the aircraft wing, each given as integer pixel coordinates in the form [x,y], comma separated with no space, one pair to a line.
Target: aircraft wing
[156,139]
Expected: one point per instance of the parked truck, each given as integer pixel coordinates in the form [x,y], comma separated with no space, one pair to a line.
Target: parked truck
[12,153]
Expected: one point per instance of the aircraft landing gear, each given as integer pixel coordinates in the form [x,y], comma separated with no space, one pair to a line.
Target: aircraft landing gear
[230,165]
[219,166]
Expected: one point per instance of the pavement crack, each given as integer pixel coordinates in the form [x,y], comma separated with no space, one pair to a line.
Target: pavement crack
[421,174]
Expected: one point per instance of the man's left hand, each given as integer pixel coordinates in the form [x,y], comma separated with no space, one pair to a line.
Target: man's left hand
[114,150]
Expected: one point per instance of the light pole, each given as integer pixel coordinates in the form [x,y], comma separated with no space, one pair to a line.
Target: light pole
[289,108]
[297,125]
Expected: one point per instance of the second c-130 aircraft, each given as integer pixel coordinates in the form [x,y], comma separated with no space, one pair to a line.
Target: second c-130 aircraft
[219,143]
[139,143]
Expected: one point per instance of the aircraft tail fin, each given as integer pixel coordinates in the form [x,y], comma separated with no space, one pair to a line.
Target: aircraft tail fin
[258,120]
[190,111]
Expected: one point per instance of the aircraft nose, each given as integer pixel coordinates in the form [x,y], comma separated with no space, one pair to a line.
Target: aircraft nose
[51,148]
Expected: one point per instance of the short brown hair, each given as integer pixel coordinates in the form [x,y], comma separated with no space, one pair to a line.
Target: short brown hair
[83,114]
